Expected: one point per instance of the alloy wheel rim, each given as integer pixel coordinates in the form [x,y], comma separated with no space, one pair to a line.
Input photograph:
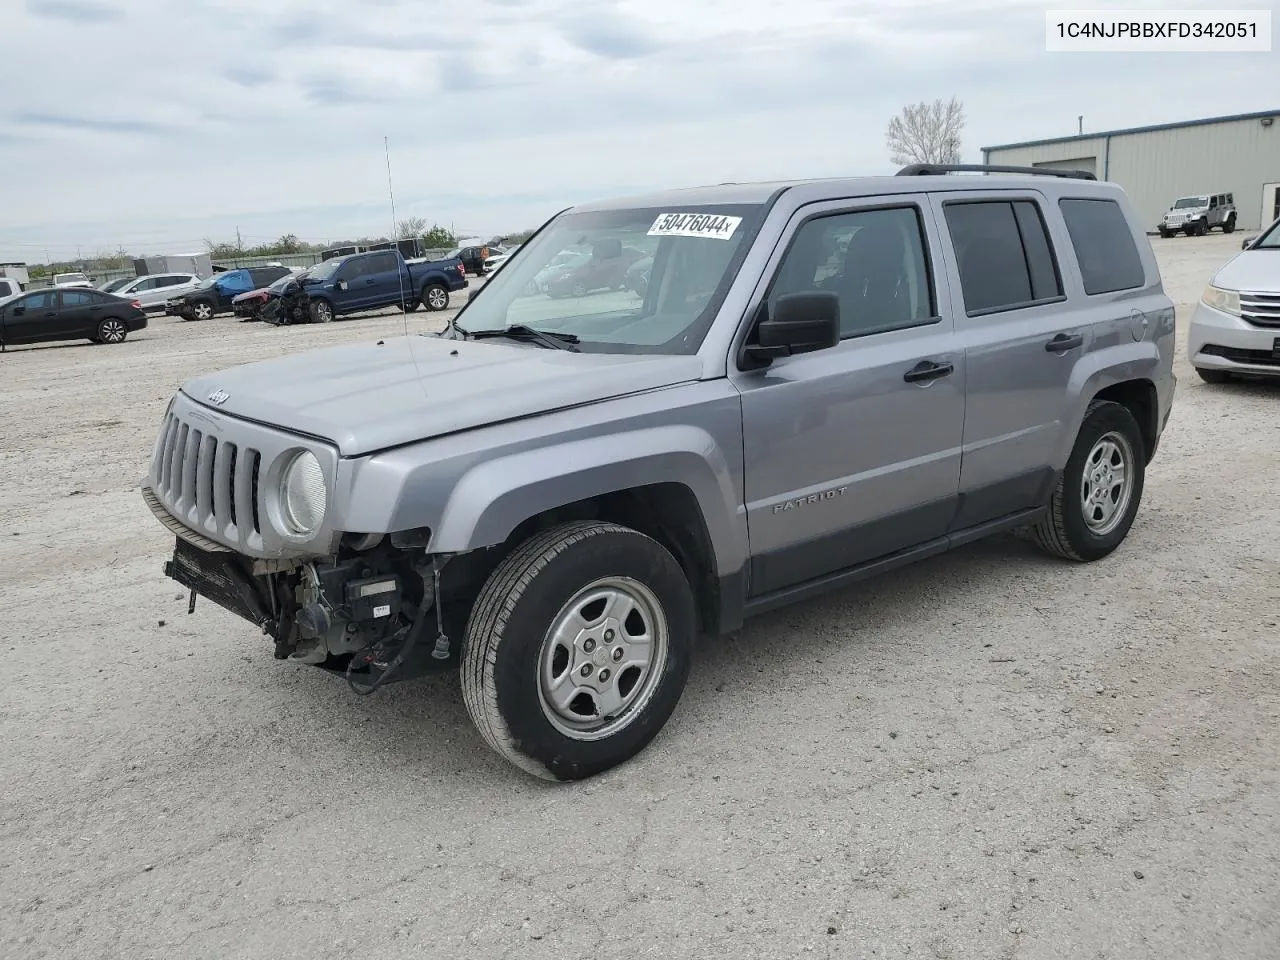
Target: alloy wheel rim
[113,331]
[602,658]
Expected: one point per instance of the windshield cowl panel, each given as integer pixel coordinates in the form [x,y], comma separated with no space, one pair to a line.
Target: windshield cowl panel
[626,280]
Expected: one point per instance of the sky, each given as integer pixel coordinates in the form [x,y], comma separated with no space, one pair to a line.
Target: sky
[155,126]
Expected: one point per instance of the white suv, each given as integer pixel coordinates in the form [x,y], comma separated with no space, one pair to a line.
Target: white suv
[1196,216]
[152,291]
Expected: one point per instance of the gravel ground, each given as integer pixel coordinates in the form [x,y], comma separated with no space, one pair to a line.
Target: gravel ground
[990,755]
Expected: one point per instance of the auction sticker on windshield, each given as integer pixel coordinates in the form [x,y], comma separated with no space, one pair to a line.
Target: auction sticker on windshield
[694,225]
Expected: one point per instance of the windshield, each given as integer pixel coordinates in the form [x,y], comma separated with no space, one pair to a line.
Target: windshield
[1269,240]
[1186,202]
[279,285]
[323,270]
[573,278]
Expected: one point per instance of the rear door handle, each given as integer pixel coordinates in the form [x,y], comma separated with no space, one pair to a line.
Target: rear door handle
[927,370]
[1064,342]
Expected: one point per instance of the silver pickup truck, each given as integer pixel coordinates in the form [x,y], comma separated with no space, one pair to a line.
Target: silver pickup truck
[823,380]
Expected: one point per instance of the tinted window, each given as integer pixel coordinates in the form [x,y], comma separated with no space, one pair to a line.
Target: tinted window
[150,283]
[874,260]
[77,298]
[1104,245]
[1003,254]
[170,281]
[383,263]
[42,300]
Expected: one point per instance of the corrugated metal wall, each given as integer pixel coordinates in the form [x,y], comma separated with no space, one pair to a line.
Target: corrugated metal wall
[1158,166]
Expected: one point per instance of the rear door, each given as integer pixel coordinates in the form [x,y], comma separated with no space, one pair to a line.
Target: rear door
[1021,341]
[382,282]
[79,312]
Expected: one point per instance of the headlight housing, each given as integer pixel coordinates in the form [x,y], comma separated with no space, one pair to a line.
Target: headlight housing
[1227,301]
[303,494]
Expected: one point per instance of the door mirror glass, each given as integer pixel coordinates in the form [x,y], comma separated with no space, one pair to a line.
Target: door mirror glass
[797,323]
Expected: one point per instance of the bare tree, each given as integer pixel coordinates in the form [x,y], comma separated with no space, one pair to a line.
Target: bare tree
[411,227]
[926,133]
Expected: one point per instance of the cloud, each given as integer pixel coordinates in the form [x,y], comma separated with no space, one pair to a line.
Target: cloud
[95,124]
[501,114]
[251,77]
[82,11]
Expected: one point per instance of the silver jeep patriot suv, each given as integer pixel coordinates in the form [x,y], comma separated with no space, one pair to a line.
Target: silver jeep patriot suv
[823,380]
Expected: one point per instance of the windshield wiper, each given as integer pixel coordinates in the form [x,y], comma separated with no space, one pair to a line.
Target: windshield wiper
[519,331]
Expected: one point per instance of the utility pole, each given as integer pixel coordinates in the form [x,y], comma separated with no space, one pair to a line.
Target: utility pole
[1080,124]
[239,243]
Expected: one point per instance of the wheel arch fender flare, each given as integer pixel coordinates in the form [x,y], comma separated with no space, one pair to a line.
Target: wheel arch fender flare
[493,498]
[1096,372]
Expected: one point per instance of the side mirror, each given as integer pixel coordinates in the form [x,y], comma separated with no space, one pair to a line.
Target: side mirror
[1244,244]
[798,323]
[19,311]
[342,284]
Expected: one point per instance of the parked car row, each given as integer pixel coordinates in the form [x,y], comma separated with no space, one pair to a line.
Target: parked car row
[351,284]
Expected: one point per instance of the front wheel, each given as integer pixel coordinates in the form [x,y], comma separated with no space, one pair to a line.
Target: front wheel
[320,311]
[435,297]
[1098,493]
[202,310]
[578,649]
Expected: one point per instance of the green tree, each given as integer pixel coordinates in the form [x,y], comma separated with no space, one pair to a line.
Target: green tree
[438,237]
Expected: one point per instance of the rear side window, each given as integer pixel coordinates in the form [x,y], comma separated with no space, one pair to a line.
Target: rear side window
[1108,257]
[1003,253]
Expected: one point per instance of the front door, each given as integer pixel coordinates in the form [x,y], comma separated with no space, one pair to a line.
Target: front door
[32,318]
[853,452]
[382,282]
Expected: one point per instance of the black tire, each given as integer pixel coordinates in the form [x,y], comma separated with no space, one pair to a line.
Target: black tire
[1065,532]
[435,297]
[1230,224]
[1212,376]
[111,330]
[1202,228]
[320,311]
[503,656]
[202,310]
[409,306]
[1166,233]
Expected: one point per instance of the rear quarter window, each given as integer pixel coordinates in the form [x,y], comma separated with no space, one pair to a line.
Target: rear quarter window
[1104,245]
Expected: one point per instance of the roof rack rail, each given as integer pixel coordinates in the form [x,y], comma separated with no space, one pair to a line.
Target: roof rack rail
[932,169]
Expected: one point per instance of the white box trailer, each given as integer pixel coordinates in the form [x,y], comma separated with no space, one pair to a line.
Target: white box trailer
[198,263]
[16,271]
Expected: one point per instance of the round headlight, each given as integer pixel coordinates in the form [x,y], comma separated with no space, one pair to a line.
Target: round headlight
[302,494]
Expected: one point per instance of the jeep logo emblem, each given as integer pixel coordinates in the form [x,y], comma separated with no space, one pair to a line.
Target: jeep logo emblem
[219,397]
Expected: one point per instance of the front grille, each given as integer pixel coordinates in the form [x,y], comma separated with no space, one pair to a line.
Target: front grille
[1260,309]
[1262,358]
[210,485]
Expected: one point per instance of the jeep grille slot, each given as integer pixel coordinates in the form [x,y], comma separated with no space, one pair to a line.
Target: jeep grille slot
[208,484]
[1260,309]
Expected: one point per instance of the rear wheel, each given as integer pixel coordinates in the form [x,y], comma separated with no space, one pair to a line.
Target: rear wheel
[1212,376]
[112,330]
[435,297]
[578,649]
[1230,224]
[1098,494]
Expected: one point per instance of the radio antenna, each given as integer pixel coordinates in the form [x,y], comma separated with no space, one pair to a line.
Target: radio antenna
[395,232]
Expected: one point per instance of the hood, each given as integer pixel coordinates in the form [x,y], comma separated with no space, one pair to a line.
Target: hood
[367,397]
[1251,270]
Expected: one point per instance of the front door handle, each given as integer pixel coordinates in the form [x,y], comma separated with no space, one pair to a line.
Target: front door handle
[371,280]
[928,370]
[1064,342]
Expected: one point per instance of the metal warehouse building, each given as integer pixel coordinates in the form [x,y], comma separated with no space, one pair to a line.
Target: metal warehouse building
[1238,154]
